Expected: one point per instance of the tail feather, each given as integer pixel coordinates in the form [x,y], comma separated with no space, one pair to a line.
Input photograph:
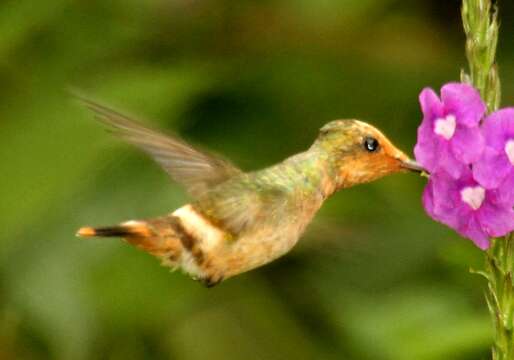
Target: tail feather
[156,237]
[111,231]
[125,230]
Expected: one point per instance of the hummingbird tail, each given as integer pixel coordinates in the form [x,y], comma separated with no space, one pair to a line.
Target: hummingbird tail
[155,236]
[129,229]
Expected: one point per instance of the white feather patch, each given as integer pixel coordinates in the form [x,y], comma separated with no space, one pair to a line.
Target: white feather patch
[208,235]
[189,265]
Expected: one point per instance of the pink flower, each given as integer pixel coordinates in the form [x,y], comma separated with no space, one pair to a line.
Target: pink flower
[471,186]
[466,206]
[495,169]
[449,138]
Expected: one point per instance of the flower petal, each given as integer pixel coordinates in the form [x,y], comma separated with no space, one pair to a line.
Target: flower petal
[425,150]
[449,163]
[505,192]
[492,168]
[473,230]
[428,199]
[467,144]
[444,203]
[498,128]
[464,102]
[431,106]
[496,220]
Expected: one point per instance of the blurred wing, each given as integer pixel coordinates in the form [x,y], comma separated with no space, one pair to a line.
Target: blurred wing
[195,170]
[241,205]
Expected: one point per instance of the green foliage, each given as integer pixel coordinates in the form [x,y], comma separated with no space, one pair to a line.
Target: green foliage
[373,279]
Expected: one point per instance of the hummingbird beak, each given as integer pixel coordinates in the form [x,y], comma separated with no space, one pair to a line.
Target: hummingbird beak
[412,165]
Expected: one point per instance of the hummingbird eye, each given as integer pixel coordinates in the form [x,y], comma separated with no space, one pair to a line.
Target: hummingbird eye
[371,144]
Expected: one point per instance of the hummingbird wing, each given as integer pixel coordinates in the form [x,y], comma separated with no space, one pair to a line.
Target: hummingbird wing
[196,170]
[244,203]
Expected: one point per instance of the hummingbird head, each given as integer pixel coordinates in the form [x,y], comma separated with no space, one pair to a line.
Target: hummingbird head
[358,153]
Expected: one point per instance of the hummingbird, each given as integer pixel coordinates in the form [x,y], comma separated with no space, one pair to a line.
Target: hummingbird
[237,221]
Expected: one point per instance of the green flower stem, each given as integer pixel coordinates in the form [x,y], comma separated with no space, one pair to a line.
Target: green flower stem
[500,296]
[480,22]
[481,27]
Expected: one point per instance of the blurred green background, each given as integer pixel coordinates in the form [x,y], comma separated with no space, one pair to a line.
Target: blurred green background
[374,278]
